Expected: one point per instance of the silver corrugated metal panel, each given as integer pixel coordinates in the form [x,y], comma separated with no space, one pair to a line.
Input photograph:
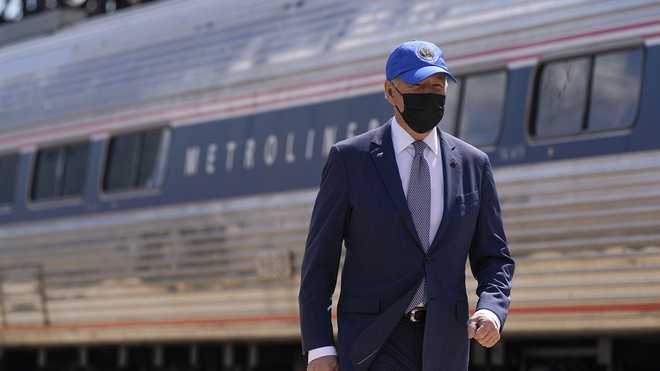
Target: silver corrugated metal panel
[583,232]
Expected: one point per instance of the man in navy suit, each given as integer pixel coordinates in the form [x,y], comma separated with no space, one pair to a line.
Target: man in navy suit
[410,203]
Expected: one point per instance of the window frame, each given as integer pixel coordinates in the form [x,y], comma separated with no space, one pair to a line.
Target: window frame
[165,143]
[32,203]
[461,104]
[6,208]
[633,123]
[586,133]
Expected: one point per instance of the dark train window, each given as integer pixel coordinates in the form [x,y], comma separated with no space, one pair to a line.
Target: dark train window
[8,173]
[588,94]
[481,111]
[562,97]
[617,80]
[134,161]
[450,116]
[59,172]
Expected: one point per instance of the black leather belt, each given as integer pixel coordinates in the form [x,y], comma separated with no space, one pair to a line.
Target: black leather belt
[417,314]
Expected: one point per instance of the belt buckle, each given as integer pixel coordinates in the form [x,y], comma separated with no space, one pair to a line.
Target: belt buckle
[411,314]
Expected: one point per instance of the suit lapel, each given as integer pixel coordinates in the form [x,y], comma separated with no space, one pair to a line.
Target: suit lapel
[451,166]
[382,154]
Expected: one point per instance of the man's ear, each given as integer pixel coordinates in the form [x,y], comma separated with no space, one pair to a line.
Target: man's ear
[388,89]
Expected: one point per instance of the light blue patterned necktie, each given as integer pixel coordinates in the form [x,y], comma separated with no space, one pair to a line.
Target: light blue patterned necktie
[419,203]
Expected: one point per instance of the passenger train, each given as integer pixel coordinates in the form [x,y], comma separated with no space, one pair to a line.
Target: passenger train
[158,168]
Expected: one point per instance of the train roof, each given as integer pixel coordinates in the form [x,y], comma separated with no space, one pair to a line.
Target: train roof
[183,50]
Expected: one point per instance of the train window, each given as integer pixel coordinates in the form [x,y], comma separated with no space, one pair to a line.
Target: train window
[562,97]
[483,104]
[74,169]
[121,169]
[8,173]
[147,176]
[567,105]
[60,172]
[135,161]
[448,122]
[617,80]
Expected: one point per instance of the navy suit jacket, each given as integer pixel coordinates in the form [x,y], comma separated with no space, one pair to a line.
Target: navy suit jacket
[361,202]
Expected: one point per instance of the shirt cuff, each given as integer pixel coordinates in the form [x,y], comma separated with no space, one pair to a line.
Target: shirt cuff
[321,352]
[490,314]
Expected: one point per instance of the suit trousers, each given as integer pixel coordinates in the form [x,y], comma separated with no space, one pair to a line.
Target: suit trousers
[402,351]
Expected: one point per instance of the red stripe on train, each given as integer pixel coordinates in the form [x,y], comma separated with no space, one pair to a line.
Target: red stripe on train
[102,123]
[640,307]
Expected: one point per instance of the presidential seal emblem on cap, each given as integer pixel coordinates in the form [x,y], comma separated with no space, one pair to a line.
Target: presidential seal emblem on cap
[426,54]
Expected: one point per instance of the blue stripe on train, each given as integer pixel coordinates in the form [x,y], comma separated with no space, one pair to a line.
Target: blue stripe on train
[285,149]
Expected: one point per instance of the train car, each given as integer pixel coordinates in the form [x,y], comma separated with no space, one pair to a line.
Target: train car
[158,168]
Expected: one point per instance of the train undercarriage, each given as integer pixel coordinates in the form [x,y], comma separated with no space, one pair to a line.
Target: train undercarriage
[625,352]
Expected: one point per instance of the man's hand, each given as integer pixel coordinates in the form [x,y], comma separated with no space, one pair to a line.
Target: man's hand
[483,329]
[325,363]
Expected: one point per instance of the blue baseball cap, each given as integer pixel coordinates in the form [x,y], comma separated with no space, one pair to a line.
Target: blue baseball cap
[414,61]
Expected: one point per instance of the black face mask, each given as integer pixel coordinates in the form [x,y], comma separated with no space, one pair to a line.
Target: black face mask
[422,111]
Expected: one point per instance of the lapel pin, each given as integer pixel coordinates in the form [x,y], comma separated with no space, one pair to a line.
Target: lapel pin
[452,163]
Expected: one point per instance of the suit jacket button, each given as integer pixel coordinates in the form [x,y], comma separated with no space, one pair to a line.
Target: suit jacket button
[428,259]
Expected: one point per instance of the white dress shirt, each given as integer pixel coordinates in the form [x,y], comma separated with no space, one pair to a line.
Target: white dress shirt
[404,153]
